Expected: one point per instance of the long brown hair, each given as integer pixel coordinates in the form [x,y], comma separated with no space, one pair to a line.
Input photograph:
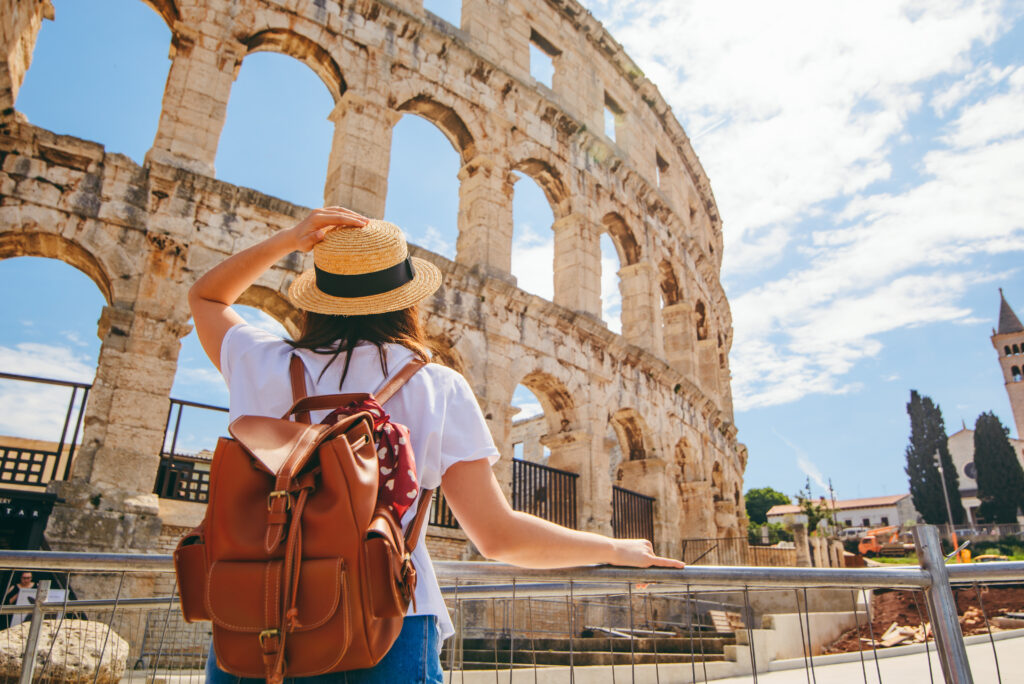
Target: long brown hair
[329,334]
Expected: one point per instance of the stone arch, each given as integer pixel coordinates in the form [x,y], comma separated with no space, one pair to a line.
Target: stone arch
[303,49]
[555,399]
[167,9]
[630,429]
[550,180]
[623,238]
[701,313]
[670,290]
[52,246]
[275,304]
[447,119]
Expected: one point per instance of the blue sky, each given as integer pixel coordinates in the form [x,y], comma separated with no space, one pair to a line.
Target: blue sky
[867,159]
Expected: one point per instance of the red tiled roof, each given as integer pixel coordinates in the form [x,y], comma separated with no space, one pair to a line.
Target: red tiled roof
[848,504]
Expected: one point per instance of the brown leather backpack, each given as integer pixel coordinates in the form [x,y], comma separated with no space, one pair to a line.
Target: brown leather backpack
[298,568]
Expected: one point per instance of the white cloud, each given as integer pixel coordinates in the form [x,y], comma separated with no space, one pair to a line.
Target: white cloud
[797,108]
[36,411]
[436,242]
[533,259]
[527,410]
[261,320]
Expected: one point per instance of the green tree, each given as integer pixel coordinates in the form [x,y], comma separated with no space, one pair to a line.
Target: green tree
[1000,477]
[816,510]
[928,436]
[760,500]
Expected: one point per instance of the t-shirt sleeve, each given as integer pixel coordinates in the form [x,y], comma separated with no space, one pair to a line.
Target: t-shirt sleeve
[465,435]
[239,343]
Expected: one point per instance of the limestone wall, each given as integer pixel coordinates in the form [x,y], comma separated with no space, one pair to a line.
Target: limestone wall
[144,234]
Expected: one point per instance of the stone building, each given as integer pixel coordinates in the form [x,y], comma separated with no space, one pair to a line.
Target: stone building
[648,410]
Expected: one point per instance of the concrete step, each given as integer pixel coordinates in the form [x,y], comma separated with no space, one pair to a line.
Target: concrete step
[474,660]
[680,644]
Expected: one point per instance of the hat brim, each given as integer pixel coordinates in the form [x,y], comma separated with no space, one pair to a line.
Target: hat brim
[304,294]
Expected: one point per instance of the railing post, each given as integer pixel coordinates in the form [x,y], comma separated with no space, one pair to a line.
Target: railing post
[949,640]
[28,659]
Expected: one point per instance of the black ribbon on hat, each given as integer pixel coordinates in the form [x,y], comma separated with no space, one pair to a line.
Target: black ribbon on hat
[365,284]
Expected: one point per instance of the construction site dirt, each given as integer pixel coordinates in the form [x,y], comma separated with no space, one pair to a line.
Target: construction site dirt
[907,609]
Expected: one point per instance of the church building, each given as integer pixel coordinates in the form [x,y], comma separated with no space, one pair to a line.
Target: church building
[1008,341]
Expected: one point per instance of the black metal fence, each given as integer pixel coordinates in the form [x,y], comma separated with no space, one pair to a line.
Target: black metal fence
[544,491]
[632,515]
[30,463]
[440,514]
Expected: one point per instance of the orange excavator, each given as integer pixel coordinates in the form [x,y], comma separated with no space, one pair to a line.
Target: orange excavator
[883,541]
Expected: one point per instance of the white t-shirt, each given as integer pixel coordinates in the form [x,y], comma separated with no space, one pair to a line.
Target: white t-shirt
[436,404]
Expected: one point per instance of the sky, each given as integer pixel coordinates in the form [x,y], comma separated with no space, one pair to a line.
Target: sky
[867,160]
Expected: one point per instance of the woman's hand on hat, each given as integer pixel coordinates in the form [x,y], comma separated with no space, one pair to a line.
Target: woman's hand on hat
[639,553]
[312,229]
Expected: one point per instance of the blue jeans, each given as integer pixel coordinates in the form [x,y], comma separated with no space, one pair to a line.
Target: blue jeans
[413,659]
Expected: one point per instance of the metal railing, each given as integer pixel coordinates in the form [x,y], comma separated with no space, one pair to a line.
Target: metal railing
[545,492]
[440,514]
[632,514]
[30,466]
[658,624]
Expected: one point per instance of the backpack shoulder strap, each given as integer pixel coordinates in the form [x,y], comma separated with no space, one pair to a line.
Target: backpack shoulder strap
[399,379]
[412,535]
[297,372]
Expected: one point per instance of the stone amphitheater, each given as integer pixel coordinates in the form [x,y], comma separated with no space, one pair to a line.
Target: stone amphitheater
[648,410]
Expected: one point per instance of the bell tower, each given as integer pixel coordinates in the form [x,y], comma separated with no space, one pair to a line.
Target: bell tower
[1008,341]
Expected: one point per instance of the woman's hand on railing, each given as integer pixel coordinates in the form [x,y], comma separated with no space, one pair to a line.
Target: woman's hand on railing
[312,229]
[639,553]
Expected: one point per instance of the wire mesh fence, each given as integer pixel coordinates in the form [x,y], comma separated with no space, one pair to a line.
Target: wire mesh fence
[107,618]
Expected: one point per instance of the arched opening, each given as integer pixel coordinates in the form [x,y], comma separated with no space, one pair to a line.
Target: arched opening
[276,137]
[702,320]
[424,204]
[533,245]
[49,333]
[619,249]
[1015,372]
[611,293]
[717,491]
[1006,349]
[670,292]
[98,73]
[1016,350]
[629,429]
[529,425]
[446,119]
[542,408]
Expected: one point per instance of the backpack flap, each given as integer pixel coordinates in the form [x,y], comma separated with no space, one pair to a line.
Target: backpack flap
[273,442]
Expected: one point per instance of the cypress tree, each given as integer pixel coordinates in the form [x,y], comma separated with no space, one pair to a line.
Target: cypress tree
[928,436]
[1000,477]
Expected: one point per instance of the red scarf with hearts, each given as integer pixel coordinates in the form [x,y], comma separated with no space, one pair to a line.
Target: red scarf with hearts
[397,486]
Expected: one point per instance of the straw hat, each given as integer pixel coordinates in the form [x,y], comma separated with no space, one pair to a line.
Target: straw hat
[364,270]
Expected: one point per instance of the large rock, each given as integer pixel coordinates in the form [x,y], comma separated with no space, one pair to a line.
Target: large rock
[77,646]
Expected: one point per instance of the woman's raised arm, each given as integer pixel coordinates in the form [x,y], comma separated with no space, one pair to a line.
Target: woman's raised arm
[503,534]
[211,297]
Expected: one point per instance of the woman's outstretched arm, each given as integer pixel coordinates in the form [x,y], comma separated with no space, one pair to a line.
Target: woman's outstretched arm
[211,297]
[503,534]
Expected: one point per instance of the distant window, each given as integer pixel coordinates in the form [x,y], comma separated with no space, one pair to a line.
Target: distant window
[885,520]
[1007,348]
[613,116]
[542,59]
[1015,372]
[866,522]
[848,523]
[1016,350]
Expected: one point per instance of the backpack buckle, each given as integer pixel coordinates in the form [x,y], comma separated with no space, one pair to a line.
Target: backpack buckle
[279,493]
[268,634]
